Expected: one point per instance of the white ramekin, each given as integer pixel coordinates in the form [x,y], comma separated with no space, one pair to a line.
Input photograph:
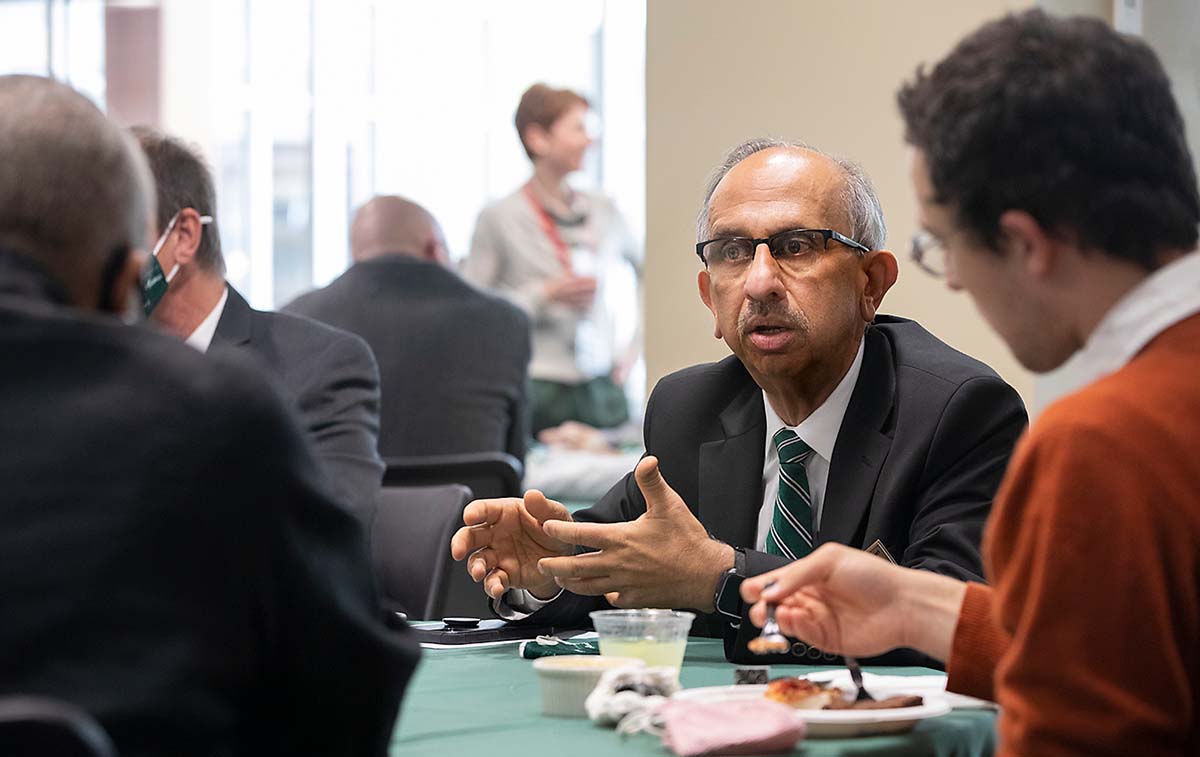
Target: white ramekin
[567,680]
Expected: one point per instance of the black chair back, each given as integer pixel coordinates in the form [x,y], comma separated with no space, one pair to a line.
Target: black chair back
[42,727]
[487,474]
[410,549]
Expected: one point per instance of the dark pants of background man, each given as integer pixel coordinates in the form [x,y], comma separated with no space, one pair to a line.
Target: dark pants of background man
[597,402]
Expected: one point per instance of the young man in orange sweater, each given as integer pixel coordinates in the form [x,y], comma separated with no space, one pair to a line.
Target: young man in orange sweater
[1056,188]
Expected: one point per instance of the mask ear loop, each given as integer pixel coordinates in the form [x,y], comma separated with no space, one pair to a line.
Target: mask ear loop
[161,241]
[204,221]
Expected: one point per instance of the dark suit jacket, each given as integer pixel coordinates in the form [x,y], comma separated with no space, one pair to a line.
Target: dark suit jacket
[171,562]
[922,448]
[453,360]
[332,381]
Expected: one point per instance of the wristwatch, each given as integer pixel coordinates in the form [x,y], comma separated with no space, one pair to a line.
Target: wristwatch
[728,599]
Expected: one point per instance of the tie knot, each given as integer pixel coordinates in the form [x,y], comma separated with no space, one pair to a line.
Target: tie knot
[791,447]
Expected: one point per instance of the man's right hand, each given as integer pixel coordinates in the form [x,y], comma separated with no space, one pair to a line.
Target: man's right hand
[576,292]
[503,540]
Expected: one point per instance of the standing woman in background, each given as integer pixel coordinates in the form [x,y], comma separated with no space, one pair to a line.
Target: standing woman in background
[551,249]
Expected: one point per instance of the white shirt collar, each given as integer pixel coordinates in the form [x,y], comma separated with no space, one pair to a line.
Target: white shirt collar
[202,337]
[1163,299]
[820,429]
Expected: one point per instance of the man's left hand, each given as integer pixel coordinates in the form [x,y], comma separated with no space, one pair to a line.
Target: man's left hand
[665,558]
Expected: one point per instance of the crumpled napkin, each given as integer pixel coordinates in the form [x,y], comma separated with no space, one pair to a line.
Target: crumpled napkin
[622,692]
[691,729]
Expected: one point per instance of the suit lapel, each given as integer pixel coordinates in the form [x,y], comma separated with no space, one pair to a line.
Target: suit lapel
[730,479]
[234,327]
[861,446]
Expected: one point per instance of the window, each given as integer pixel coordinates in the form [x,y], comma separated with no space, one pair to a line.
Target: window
[320,104]
[304,109]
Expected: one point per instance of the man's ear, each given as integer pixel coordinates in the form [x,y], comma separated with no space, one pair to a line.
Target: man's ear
[123,295]
[436,252]
[704,281]
[880,269]
[1029,244]
[188,233]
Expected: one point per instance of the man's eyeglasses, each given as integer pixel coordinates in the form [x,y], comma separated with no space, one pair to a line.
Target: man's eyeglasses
[929,253]
[796,247]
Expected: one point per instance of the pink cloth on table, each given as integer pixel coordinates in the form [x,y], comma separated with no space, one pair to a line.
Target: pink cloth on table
[757,727]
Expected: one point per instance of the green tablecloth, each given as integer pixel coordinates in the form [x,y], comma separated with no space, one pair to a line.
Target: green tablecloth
[487,702]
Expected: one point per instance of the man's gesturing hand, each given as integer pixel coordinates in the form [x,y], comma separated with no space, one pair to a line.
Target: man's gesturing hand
[504,541]
[663,559]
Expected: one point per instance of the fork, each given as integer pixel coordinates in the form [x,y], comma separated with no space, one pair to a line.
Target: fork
[770,640]
[856,676]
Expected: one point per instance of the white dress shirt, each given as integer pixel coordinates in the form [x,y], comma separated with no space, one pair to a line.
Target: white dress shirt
[202,337]
[1164,298]
[819,431]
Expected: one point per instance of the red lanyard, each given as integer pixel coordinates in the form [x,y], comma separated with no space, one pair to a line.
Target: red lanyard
[550,229]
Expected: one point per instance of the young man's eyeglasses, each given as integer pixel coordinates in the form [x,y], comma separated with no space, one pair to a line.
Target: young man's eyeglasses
[795,247]
[929,253]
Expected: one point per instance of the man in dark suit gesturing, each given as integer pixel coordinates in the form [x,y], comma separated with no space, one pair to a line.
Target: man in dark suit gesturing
[329,376]
[171,563]
[453,360]
[829,424]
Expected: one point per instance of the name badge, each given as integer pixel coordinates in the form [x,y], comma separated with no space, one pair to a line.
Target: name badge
[879,550]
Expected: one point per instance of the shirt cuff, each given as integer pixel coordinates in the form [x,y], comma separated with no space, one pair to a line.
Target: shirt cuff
[518,604]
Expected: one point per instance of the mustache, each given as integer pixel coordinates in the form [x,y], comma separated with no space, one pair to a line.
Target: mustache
[778,313]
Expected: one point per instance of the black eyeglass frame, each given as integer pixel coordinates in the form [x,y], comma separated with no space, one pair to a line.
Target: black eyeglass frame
[828,234]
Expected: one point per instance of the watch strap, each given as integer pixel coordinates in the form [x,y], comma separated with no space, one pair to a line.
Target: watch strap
[728,600]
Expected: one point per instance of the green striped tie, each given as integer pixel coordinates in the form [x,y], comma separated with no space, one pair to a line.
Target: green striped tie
[791,524]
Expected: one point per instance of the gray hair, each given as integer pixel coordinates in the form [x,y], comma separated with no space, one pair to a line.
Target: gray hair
[182,180]
[862,204]
[74,188]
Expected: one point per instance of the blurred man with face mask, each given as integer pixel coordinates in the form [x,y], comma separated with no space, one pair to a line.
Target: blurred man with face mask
[329,375]
[172,565]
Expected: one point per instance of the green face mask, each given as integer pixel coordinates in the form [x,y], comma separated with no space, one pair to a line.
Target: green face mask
[154,282]
[154,285]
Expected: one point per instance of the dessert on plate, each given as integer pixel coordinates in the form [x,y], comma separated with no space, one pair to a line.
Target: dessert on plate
[804,694]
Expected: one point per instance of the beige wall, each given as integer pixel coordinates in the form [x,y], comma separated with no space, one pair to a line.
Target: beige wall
[719,71]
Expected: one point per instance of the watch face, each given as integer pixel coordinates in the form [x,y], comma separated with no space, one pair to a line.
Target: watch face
[729,596]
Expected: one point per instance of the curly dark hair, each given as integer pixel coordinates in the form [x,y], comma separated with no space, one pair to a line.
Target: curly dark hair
[1065,119]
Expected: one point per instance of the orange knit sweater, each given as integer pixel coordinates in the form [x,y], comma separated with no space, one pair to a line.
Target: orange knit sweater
[1090,637]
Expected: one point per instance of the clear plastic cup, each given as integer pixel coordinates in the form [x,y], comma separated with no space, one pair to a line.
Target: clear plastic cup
[657,637]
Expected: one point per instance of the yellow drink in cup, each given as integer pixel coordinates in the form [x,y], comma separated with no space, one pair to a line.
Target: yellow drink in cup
[653,652]
[658,637]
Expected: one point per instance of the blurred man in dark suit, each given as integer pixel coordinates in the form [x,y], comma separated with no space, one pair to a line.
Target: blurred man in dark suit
[453,360]
[171,563]
[329,375]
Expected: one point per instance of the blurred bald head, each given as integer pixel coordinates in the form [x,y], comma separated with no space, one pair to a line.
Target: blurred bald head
[391,225]
[75,192]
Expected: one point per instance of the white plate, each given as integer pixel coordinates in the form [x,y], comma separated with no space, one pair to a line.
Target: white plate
[833,723]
